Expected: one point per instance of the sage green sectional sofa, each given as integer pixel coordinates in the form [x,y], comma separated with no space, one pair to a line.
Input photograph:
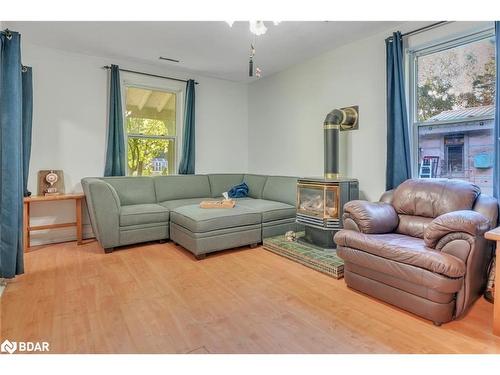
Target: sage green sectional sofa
[129,210]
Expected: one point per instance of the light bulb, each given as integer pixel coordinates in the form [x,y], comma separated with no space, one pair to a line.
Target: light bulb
[257,27]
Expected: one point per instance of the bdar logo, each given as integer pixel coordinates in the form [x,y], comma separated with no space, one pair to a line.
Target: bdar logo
[24,346]
[8,347]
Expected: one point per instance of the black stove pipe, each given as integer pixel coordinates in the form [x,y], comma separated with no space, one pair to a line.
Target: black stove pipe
[331,129]
[336,121]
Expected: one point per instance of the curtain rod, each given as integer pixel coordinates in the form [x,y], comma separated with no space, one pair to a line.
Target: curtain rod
[148,74]
[421,29]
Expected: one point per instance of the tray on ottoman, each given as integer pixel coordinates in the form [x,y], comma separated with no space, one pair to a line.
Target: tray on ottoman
[322,260]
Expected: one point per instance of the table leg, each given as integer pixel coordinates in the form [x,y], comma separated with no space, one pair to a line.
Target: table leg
[79,229]
[26,226]
[496,305]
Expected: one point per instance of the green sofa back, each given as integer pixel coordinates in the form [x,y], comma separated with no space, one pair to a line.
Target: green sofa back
[141,190]
[255,183]
[281,189]
[219,183]
[181,187]
[133,190]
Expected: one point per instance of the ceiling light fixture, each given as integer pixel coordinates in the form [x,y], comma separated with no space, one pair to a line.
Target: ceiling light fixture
[257,28]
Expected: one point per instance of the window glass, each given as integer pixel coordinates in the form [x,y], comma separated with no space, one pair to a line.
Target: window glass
[151,131]
[454,109]
[456,79]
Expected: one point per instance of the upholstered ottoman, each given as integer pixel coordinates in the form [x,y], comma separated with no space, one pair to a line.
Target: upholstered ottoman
[203,231]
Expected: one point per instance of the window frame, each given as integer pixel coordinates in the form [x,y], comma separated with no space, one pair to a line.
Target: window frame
[412,57]
[155,84]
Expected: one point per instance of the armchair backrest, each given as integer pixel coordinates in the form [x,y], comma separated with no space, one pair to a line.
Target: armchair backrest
[418,201]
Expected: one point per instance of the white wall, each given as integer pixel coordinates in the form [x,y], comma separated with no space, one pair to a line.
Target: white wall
[287,110]
[70,122]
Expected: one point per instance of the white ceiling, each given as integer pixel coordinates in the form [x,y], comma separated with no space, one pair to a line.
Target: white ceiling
[205,47]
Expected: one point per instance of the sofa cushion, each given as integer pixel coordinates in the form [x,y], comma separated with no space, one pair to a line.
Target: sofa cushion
[255,185]
[181,187]
[133,190]
[220,183]
[184,202]
[198,219]
[402,249]
[270,210]
[434,197]
[143,214]
[281,189]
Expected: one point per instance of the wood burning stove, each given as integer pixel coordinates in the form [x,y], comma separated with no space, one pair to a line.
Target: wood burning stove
[319,207]
[320,200]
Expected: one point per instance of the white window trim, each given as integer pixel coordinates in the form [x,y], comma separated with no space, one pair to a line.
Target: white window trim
[412,69]
[157,84]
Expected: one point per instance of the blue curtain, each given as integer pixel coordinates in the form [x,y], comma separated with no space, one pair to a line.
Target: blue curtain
[496,171]
[398,166]
[11,160]
[27,78]
[186,165]
[115,151]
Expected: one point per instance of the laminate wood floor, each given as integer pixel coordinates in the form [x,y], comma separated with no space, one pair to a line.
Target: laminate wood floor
[156,298]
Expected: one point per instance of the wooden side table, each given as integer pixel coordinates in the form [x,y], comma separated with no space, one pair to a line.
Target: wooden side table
[494,235]
[27,228]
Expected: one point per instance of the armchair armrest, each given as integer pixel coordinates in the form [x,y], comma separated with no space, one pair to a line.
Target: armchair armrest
[367,217]
[465,222]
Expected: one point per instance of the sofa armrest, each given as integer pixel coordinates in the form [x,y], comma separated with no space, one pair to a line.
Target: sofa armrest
[367,217]
[104,206]
[454,225]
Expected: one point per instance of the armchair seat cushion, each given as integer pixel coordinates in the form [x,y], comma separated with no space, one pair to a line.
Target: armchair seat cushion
[143,214]
[402,249]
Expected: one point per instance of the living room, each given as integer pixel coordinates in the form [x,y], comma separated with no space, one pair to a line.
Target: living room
[200,186]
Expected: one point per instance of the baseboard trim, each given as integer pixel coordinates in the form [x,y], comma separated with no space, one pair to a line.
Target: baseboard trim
[87,234]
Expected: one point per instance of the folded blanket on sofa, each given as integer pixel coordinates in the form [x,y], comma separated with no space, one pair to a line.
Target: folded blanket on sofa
[238,191]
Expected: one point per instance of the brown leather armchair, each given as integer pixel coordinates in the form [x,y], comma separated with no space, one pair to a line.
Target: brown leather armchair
[421,247]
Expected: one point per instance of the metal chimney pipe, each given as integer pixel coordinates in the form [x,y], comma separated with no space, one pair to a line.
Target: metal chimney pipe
[331,129]
[335,122]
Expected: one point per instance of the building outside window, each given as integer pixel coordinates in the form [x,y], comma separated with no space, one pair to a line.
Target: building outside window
[454,156]
[452,98]
[151,129]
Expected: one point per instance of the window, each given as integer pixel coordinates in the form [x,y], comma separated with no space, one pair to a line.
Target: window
[452,109]
[454,157]
[151,131]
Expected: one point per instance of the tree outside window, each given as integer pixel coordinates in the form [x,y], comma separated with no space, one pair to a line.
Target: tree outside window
[151,132]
